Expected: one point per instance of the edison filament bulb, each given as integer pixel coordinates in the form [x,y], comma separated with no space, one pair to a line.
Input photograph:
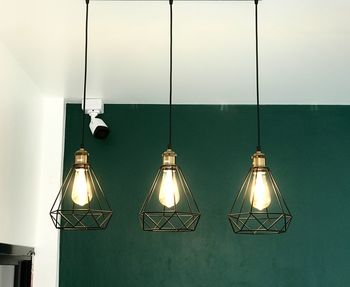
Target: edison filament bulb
[81,191]
[260,197]
[169,191]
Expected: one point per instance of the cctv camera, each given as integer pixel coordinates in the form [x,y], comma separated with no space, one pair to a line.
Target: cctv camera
[98,127]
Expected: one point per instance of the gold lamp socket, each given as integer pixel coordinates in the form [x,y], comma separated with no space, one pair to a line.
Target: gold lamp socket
[259,159]
[169,157]
[81,158]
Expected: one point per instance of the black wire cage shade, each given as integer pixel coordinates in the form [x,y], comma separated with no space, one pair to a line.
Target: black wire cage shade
[169,205]
[259,207]
[81,203]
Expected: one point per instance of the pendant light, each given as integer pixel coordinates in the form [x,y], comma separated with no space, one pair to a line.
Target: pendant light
[169,205]
[259,207]
[81,203]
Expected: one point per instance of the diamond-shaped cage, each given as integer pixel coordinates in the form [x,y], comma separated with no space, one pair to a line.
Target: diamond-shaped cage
[254,212]
[93,214]
[177,213]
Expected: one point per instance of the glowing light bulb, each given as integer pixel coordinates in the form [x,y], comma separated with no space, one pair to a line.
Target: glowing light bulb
[169,193]
[81,193]
[260,196]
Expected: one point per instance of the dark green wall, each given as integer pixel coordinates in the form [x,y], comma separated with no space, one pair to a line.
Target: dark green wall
[308,150]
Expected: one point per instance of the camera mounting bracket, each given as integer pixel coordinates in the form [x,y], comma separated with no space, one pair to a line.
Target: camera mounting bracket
[94,106]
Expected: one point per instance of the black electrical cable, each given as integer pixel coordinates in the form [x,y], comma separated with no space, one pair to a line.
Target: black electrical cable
[257,75]
[171,75]
[85,73]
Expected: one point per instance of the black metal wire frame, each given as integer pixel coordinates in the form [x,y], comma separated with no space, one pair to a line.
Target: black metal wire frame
[182,217]
[96,214]
[67,215]
[245,219]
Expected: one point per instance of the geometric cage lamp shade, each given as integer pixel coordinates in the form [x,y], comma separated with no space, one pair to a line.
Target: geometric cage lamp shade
[169,205]
[81,203]
[259,207]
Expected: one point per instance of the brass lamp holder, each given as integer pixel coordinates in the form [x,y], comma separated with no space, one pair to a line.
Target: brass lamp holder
[259,159]
[81,157]
[169,157]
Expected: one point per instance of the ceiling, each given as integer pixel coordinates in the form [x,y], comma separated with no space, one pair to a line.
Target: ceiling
[304,50]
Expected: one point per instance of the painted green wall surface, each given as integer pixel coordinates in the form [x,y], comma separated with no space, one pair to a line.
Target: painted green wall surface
[308,150]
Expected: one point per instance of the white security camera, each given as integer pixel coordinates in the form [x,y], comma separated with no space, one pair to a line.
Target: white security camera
[98,127]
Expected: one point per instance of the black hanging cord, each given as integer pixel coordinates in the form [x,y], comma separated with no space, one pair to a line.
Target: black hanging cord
[85,73]
[257,74]
[171,75]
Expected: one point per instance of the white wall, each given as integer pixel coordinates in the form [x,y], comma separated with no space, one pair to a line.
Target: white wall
[47,238]
[31,149]
[21,127]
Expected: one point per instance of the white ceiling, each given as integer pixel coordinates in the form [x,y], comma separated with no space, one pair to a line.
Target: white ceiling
[305,50]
